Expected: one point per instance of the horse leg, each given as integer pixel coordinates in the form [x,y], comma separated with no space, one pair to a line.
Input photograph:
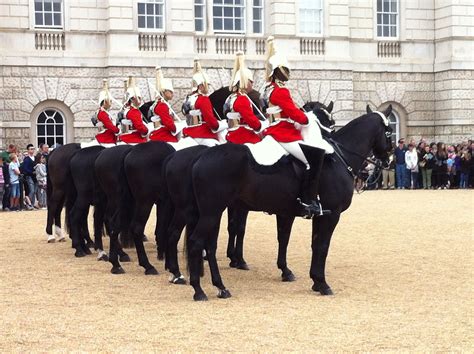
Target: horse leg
[240,220]
[284,225]
[171,261]
[142,212]
[53,206]
[162,225]
[232,235]
[99,217]
[85,237]
[76,229]
[222,292]
[114,253]
[323,229]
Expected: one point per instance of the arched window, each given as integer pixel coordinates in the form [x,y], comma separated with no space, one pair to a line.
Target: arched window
[50,128]
[394,120]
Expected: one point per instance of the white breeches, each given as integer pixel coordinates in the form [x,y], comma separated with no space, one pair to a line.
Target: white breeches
[294,149]
[206,142]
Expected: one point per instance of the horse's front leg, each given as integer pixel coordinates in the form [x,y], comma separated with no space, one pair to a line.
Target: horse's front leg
[239,220]
[323,228]
[284,225]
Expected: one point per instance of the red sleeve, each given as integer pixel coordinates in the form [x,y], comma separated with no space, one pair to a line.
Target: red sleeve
[136,117]
[105,119]
[242,105]
[162,110]
[281,97]
[204,104]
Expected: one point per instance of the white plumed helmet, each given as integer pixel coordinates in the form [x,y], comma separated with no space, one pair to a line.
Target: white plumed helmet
[132,90]
[104,95]
[274,59]
[163,84]
[241,74]
[199,76]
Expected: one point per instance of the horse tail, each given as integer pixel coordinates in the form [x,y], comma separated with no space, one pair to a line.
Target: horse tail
[100,205]
[71,196]
[123,215]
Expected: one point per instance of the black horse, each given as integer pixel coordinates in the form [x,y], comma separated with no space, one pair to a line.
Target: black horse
[58,184]
[178,177]
[236,178]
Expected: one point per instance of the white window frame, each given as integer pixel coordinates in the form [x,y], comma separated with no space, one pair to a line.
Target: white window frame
[244,18]
[54,124]
[322,12]
[376,24]
[251,7]
[154,2]
[203,4]
[396,131]
[61,12]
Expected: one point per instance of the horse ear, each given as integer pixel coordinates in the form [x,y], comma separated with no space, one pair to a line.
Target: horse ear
[388,110]
[330,106]
[369,110]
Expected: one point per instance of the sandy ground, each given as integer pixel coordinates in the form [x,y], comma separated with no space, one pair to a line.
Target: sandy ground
[401,266]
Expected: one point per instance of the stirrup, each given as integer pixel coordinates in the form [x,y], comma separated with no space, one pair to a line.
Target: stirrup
[313,209]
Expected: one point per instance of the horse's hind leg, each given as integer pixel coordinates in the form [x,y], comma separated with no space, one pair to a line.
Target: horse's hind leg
[171,260]
[211,248]
[232,235]
[240,223]
[322,233]
[142,212]
[284,225]
[99,217]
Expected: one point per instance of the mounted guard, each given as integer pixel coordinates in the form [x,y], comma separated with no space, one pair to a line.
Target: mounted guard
[202,123]
[244,126]
[163,115]
[134,130]
[286,122]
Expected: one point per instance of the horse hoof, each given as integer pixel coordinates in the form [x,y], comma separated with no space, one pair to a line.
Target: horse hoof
[103,257]
[233,264]
[200,297]
[289,277]
[80,253]
[87,251]
[151,271]
[323,289]
[243,266]
[117,270]
[124,258]
[90,245]
[223,294]
[177,280]
[62,239]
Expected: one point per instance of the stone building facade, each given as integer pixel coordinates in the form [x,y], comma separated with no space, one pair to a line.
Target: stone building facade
[415,54]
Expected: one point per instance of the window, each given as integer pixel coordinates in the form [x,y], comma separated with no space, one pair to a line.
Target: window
[257,16]
[50,128]
[151,14]
[394,123]
[49,13]
[387,18]
[228,16]
[311,16]
[199,16]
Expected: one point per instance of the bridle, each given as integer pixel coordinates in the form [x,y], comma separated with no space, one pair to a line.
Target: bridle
[338,150]
[329,129]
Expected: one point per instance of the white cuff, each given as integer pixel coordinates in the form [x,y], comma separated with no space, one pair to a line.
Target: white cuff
[264,124]
[222,126]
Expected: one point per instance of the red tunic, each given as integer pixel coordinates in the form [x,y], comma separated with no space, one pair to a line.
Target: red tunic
[164,133]
[243,135]
[203,131]
[108,135]
[140,130]
[284,131]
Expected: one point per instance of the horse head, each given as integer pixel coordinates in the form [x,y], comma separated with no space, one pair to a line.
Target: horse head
[383,141]
[145,110]
[218,98]
[323,113]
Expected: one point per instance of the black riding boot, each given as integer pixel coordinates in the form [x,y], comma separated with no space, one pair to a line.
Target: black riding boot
[310,188]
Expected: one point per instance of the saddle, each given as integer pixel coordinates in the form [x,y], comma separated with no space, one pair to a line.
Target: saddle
[267,152]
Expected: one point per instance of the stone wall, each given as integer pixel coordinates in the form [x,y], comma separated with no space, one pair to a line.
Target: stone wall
[436,106]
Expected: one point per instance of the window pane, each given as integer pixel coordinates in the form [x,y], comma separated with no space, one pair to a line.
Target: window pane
[379,5]
[379,19]
[47,6]
[394,31]
[57,19]
[150,23]
[39,19]
[58,118]
[385,31]
[394,6]
[198,11]
[385,19]
[386,5]
[141,21]
[59,129]
[257,27]
[48,18]
[50,129]
[41,129]
[228,11]
[238,12]
[141,9]
[238,25]
[159,10]
[393,19]
[149,9]
[159,22]
[228,24]
[60,140]
[256,14]
[38,6]
[379,31]
[198,26]
[57,6]
[217,11]
[230,2]
[257,2]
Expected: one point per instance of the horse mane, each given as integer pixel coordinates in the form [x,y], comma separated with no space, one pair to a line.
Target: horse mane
[351,125]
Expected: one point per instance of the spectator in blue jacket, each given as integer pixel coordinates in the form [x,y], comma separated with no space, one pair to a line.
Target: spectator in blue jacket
[28,169]
[400,167]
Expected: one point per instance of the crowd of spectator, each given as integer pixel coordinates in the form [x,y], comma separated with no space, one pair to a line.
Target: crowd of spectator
[23,178]
[425,165]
